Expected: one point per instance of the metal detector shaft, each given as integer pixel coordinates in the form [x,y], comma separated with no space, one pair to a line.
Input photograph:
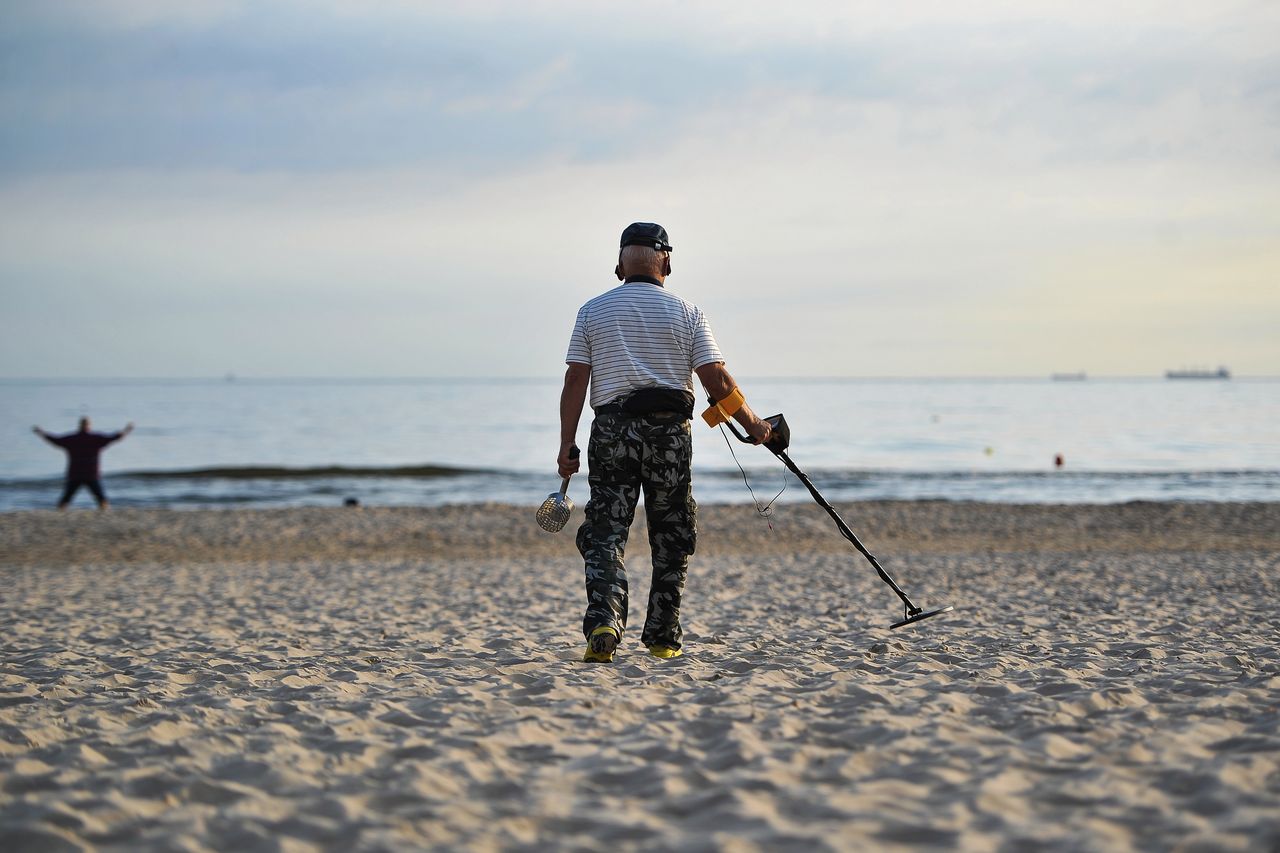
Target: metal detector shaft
[778,447]
[846,532]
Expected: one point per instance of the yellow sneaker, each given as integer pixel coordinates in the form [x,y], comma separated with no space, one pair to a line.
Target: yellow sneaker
[600,645]
[665,652]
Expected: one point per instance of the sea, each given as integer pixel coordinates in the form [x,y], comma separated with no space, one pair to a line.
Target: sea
[236,442]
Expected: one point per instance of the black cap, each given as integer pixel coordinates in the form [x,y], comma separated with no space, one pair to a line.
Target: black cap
[648,234]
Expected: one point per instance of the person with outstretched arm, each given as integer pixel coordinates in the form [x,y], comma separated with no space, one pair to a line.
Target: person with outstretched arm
[636,347]
[83,448]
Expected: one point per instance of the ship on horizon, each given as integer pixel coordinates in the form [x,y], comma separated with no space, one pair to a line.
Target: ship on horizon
[1195,373]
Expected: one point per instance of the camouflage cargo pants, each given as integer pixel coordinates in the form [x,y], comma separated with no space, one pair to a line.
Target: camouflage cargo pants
[625,456]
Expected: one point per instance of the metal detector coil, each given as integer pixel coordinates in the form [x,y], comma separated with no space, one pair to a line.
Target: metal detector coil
[777,444]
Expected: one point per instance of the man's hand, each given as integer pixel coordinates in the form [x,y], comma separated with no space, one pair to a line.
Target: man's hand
[568,465]
[37,430]
[128,428]
[759,431]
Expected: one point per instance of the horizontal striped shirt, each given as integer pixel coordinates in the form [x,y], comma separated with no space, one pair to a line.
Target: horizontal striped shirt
[640,335]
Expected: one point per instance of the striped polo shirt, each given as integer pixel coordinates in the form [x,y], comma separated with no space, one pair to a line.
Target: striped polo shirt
[640,335]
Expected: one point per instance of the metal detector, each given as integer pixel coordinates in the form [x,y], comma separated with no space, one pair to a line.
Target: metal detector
[778,444]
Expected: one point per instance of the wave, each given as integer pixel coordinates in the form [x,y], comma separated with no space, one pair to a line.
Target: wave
[847,475]
[276,472]
[436,485]
[831,476]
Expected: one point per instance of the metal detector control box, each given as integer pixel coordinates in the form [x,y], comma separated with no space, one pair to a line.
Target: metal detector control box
[781,438]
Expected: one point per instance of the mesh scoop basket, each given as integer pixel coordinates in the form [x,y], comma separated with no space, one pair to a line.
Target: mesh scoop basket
[554,513]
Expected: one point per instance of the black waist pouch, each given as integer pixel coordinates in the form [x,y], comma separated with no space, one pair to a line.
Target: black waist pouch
[648,401]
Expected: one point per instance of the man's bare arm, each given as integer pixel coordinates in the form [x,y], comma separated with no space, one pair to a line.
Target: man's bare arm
[715,377]
[572,398]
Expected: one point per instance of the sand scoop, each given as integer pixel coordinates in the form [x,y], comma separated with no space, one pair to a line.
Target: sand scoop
[778,445]
[554,513]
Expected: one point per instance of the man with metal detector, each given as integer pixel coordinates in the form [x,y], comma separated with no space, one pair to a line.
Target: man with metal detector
[637,346]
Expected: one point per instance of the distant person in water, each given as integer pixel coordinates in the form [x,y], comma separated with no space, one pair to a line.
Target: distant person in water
[83,449]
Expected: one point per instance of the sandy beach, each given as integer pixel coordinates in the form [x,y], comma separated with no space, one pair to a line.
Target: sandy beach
[394,679]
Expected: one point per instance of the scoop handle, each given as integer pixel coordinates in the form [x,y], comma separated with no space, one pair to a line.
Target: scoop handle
[574,453]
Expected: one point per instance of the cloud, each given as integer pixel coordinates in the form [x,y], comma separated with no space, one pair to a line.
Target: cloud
[315,88]
[874,189]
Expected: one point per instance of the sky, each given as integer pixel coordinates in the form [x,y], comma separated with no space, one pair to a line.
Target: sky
[432,189]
